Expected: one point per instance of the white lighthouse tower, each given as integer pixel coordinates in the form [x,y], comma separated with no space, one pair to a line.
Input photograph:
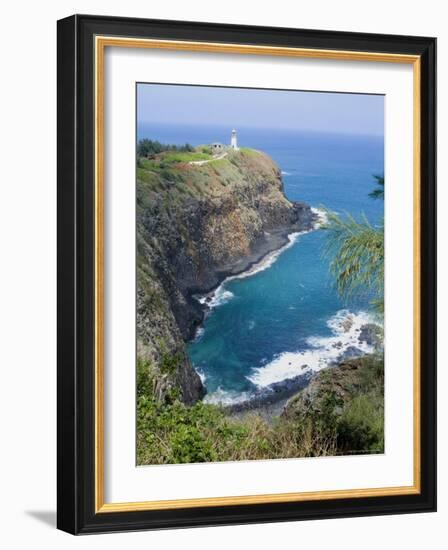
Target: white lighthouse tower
[233,141]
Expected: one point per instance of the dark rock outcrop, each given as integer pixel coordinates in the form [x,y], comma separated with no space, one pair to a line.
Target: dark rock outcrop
[372,335]
[277,392]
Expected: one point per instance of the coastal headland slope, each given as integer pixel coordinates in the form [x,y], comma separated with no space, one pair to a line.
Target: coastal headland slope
[196,225]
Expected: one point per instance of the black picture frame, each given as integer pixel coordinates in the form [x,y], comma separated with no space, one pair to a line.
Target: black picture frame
[76,254]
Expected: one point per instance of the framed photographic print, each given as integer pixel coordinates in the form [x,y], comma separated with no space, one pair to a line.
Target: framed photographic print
[246,274]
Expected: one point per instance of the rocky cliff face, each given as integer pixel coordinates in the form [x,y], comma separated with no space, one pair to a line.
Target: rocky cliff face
[196,224]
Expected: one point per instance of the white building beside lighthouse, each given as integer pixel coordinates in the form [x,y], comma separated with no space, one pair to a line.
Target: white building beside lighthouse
[233,140]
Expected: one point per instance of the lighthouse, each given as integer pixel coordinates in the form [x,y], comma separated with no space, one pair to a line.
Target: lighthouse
[233,141]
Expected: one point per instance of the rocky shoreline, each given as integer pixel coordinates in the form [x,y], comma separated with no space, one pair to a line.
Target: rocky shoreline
[271,400]
[196,227]
[271,242]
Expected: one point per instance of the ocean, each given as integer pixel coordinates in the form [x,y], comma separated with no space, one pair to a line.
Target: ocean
[284,317]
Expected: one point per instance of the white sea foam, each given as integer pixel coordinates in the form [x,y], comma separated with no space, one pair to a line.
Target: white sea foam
[199,334]
[226,397]
[201,375]
[322,352]
[285,173]
[216,298]
[322,217]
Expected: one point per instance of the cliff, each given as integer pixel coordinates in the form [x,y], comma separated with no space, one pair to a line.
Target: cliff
[199,219]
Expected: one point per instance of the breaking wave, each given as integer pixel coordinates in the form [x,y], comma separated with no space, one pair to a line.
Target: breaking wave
[201,375]
[216,298]
[199,334]
[322,352]
[226,397]
[322,217]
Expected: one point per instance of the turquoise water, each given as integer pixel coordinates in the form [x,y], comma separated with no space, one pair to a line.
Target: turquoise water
[286,318]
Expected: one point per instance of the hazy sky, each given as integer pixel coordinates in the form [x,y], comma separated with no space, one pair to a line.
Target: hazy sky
[320,112]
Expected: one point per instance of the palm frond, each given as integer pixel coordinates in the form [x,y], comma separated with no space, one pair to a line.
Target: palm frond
[356,250]
[378,193]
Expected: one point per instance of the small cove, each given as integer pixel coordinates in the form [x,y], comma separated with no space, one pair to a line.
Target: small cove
[284,316]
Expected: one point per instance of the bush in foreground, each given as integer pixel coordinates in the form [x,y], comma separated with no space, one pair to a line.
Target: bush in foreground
[170,432]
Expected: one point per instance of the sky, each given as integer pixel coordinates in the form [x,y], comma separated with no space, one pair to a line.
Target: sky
[294,110]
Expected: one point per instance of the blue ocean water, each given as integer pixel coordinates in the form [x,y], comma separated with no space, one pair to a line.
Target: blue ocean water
[287,317]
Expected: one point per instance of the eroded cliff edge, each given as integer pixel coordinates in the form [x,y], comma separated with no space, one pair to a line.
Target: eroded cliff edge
[196,224]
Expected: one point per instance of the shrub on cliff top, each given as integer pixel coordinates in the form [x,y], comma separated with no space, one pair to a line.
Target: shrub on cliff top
[147,147]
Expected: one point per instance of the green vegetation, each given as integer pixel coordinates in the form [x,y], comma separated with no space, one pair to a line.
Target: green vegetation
[248,151]
[378,193]
[170,432]
[356,249]
[171,158]
[153,155]
[361,424]
[205,149]
[148,147]
[347,405]
[167,176]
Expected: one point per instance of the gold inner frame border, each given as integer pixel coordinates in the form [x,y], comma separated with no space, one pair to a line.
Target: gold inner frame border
[100,44]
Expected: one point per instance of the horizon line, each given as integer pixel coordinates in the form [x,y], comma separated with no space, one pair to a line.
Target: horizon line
[251,127]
